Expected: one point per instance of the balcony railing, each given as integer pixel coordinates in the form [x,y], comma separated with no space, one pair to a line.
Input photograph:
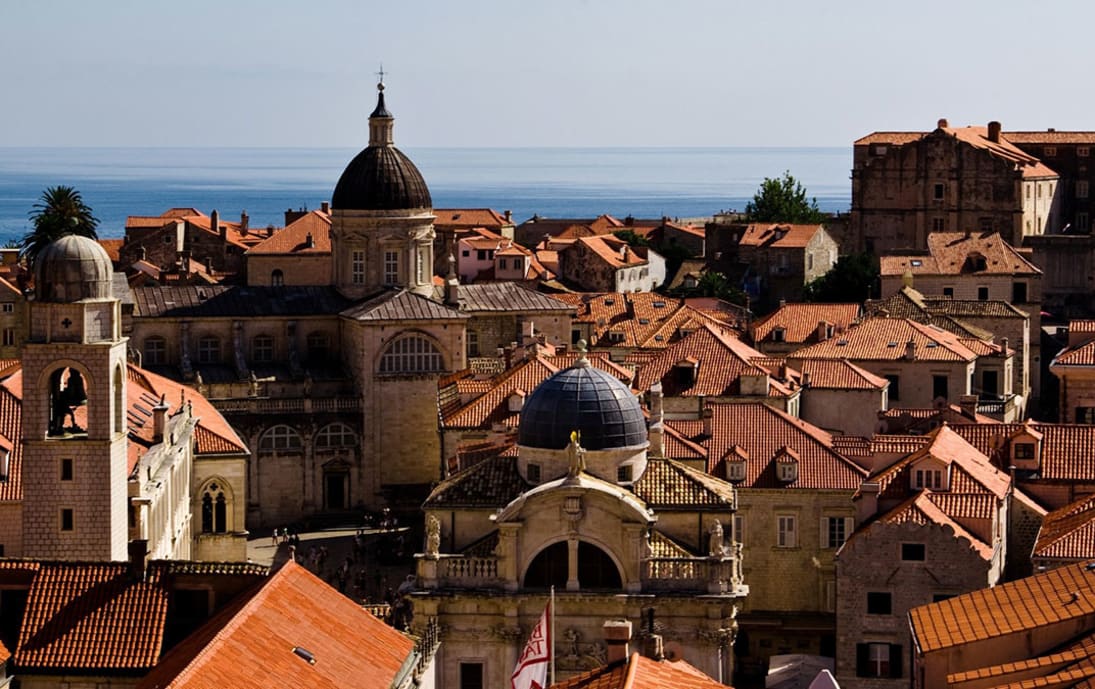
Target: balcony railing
[269,405]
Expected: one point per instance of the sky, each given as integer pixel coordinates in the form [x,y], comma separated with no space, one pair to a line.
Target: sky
[554,73]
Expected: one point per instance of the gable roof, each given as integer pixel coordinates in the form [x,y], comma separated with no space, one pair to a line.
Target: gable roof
[975,136]
[828,374]
[1068,533]
[885,339]
[799,321]
[1036,601]
[401,305]
[640,672]
[445,218]
[612,251]
[293,238]
[507,296]
[1065,452]
[763,432]
[251,644]
[779,235]
[948,254]
[921,509]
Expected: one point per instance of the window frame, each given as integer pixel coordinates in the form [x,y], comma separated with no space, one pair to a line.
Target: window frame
[391,266]
[154,352]
[357,267]
[411,354]
[262,348]
[914,552]
[879,603]
[786,531]
[280,438]
[209,349]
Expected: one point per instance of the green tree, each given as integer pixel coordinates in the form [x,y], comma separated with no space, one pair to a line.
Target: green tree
[852,279]
[631,238]
[783,200]
[60,210]
[715,284]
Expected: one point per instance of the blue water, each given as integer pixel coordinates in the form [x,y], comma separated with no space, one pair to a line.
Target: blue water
[553,182]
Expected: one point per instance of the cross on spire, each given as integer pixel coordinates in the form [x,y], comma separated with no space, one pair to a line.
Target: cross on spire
[380,74]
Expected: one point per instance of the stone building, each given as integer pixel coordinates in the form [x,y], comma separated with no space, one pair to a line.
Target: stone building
[782,258]
[591,507]
[604,263]
[1069,154]
[794,325]
[181,235]
[299,254]
[907,185]
[101,456]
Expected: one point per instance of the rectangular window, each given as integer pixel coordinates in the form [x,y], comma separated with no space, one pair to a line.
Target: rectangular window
[1083,151]
[1082,222]
[912,552]
[939,191]
[391,267]
[533,472]
[1024,450]
[623,474]
[68,519]
[9,307]
[786,534]
[948,292]
[473,343]
[1085,415]
[357,267]
[1018,293]
[927,478]
[471,676]
[209,350]
[66,469]
[155,351]
[501,264]
[939,224]
[466,253]
[9,337]
[879,603]
[982,293]
[878,660]
[1049,151]
[1081,189]
[835,530]
[739,528]
[481,254]
[939,387]
[895,386]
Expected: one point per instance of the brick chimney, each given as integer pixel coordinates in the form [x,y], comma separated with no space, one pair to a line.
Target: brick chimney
[508,215]
[325,207]
[708,421]
[968,405]
[138,558]
[910,350]
[245,220]
[617,635]
[159,419]
[994,132]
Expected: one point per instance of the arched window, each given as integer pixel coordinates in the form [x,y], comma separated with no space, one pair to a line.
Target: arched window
[411,354]
[596,570]
[155,351]
[67,396]
[549,568]
[277,278]
[214,509]
[119,401]
[262,349]
[280,438]
[209,350]
[319,346]
[336,435]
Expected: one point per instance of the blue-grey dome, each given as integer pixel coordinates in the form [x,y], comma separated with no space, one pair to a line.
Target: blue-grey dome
[586,399]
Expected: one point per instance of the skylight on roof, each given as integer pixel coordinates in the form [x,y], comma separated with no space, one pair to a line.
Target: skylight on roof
[916,263]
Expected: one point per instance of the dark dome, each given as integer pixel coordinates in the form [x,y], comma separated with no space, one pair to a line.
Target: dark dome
[72,268]
[586,399]
[381,178]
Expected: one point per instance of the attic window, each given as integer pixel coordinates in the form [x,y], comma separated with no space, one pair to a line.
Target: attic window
[609,302]
[644,321]
[788,470]
[624,474]
[927,478]
[891,343]
[1024,450]
[615,337]
[659,338]
[735,470]
[841,343]
[778,334]
[916,263]
[305,654]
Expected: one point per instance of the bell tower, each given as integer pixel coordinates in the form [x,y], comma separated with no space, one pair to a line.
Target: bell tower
[75,469]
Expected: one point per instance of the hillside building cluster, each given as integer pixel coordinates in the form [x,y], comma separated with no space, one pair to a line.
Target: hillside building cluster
[560,413]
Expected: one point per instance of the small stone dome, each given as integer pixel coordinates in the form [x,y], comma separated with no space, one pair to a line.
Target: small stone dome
[381,178]
[585,399]
[72,268]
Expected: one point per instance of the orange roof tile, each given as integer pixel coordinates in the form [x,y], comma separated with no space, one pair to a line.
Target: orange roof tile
[800,321]
[971,471]
[780,236]
[5,654]
[949,253]
[1050,137]
[839,375]
[293,238]
[921,509]
[973,136]
[1079,355]
[763,432]
[885,339]
[468,217]
[1059,595]
[1068,533]
[252,644]
[723,360]
[1066,448]
[615,252]
[640,672]
[112,247]
[92,617]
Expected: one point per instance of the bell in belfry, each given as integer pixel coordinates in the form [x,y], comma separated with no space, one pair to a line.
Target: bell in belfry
[75,393]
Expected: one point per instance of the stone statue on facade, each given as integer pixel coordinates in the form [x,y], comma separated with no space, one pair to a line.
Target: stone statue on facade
[433,536]
[716,542]
[576,455]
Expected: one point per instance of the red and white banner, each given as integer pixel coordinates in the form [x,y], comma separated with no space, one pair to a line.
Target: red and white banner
[532,666]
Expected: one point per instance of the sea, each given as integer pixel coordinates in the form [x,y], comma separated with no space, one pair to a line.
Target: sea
[677,183]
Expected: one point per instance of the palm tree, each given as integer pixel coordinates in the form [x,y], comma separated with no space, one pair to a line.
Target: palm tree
[60,210]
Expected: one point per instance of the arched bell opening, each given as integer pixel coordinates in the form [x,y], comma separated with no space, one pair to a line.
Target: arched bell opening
[67,396]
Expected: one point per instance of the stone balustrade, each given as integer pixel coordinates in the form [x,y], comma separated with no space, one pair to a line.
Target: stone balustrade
[305,405]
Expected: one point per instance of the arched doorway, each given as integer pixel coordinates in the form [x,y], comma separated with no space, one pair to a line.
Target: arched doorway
[596,569]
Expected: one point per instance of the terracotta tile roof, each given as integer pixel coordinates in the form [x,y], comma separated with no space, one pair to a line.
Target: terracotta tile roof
[641,319]
[920,509]
[1041,671]
[762,432]
[5,654]
[971,471]
[974,136]
[779,236]
[668,484]
[1068,533]
[92,617]
[829,374]
[489,484]
[800,321]
[468,217]
[1081,326]
[949,254]
[615,252]
[1036,601]
[493,405]
[401,305]
[293,238]
[1066,448]
[640,672]
[677,446]
[893,138]
[252,644]
[1079,355]
[11,408]
[723,360]
[112,247]
[884,339]
[1050,137]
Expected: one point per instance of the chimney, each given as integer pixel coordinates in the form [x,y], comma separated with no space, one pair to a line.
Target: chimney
[5,466]
[782,303]
[994,132]
[617,635]
[138,558]
[1004,347]
[310,241]
[159,419]
[942,124]
[806,379]
[244,221]
[655,647]
[452,284]
[325,207]
[968,404]
[910,350]
[623,252]
[656,413]
[508,215]
[822,330]
[867,504]
[708,421]
[215,221]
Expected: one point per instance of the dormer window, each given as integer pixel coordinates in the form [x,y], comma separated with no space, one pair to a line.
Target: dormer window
[932,478]
[735,470]
[615,337]
[686,372]
[787,465]
[516,400]
[778,334]
[1024,450]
